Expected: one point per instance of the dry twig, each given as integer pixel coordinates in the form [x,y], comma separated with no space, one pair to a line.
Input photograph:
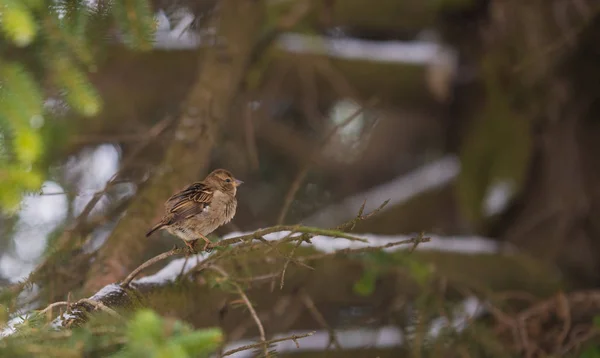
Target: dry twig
[269,342]
[152,261]
[259,325]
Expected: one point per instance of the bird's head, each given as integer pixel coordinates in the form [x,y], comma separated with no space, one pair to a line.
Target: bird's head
[224,181]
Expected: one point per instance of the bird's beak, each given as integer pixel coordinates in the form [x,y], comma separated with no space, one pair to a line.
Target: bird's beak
[238,182]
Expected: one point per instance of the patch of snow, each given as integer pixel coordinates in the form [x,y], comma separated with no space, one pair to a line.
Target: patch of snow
[11,326]
[498,197]
[106,291]
[470,308]
[175,36]
[413,52]
[170,272]
[40,214]
[96,168]
[61,319]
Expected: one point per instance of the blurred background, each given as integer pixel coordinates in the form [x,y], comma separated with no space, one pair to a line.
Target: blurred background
[477,119]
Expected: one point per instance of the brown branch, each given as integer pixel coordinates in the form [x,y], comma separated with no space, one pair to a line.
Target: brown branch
[152,132]
[271,341]
[246,240]
[150,262]
[349,225]
[96,304]
[52,305]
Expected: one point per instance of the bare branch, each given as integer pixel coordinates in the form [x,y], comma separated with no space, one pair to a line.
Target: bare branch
[52,305]
[152,261]
[271,341]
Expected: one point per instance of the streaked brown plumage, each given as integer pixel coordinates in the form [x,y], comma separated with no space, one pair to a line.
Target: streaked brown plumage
[201,208]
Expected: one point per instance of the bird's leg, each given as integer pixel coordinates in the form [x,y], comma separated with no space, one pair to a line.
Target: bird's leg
[207,243]
[191,245]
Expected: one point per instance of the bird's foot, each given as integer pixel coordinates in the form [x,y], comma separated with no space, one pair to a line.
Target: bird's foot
[191,248]
[208,246]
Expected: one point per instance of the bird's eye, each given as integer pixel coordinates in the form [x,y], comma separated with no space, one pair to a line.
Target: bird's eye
[228,180]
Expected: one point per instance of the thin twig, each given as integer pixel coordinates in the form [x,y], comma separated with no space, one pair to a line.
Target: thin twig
[287,257]
[271,341]
[310,305]
[349,225]
[52,305]
[149,263]
[259,325]
[413,241]
[291,193]
[287,262]
[303,172]
[294,229]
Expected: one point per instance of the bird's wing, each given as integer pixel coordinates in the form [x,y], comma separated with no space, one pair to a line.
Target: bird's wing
[189,202]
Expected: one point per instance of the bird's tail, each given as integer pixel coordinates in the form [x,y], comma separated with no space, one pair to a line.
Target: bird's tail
[158,226]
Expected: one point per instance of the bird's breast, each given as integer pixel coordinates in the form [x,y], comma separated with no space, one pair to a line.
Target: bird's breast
[219,212]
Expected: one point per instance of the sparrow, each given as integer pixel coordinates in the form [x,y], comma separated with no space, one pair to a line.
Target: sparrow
[200,208]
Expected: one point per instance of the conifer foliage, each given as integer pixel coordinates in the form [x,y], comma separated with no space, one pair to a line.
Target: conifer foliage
[47,48]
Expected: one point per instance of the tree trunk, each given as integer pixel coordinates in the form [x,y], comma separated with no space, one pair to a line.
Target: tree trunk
[203,112]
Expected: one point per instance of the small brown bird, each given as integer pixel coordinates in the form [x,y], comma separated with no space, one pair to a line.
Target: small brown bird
[200,209]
